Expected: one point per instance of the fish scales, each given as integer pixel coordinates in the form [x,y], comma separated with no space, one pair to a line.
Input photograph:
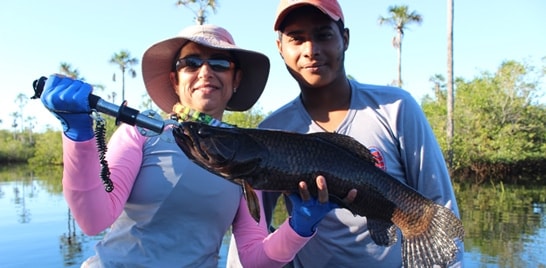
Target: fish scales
[271,160]
[305,158]
[293,157]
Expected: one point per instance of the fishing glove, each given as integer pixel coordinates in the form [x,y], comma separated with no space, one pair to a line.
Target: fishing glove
[307,214]
[68,100]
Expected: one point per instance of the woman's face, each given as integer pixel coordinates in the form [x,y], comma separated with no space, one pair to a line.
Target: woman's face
[205,79]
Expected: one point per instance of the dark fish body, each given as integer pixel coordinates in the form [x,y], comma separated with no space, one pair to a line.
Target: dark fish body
[271,160]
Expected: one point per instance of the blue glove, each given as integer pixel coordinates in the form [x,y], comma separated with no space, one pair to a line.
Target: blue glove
[68,100]
[307,214]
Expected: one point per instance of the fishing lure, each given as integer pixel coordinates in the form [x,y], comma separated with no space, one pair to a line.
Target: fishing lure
[183,114]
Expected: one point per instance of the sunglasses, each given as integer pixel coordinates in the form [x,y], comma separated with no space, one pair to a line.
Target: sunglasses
[192,64]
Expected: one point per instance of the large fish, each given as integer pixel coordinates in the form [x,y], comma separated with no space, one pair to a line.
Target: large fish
[272,160]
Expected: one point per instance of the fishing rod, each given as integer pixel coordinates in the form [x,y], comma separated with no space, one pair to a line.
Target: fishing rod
[147,120]
[149,123]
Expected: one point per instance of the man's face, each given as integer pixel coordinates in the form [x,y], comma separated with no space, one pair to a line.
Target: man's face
[312,47]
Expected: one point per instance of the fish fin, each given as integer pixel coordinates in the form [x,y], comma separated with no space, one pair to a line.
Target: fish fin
[349,143]
[383,233]
[437,244]
[252,201]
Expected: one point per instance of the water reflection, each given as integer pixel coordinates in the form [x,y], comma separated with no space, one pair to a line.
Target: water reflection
[505,226]
[35,222]
[19,201]
[70,242]
[502,224]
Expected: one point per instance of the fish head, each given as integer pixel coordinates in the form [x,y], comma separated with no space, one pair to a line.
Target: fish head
[226,152]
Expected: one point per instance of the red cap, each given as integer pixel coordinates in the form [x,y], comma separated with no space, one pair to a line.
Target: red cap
[329,7]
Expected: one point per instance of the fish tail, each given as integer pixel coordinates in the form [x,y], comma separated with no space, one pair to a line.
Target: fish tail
[436,245]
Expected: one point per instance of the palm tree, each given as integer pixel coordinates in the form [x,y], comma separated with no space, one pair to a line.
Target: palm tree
[66,69]
[450,93]
[399,19]
[200,13]
[125,62]
[21,100]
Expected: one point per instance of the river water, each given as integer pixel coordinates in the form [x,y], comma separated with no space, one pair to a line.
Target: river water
[505,226]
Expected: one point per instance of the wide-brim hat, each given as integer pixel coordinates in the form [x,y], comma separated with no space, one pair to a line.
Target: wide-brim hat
[328,7]
[157,63]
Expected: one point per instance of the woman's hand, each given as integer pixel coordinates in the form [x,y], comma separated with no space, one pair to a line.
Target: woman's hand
[68,100]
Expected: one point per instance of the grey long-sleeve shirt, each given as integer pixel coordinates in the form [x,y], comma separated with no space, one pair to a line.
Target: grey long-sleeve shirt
[392,125]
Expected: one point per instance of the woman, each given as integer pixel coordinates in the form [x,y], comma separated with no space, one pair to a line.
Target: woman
[164,210]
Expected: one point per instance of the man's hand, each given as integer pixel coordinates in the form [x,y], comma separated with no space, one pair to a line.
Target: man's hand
[307,211]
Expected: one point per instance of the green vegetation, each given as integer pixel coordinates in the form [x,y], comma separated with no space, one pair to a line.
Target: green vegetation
[14,148]
[499,125]
[38,149]
[48,149]
[248,119]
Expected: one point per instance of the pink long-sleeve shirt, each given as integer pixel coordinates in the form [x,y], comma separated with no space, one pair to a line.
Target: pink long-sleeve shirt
[164,210]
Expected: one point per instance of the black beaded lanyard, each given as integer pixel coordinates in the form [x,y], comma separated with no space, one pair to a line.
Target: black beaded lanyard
[100,136]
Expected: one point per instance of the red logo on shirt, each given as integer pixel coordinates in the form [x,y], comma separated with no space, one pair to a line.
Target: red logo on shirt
[379,161]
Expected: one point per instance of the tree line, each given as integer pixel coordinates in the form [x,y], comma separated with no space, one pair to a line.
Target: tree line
[499,131]
[499,118]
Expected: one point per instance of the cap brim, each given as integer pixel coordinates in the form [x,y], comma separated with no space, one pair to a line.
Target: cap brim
[282,15]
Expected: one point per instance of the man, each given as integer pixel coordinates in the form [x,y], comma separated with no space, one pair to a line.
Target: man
[312,42]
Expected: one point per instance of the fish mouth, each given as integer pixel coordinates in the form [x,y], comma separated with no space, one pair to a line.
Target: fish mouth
[217,149]
[186,136]
[205,145]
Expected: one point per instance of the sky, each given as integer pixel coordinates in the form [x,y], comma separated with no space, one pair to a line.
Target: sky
[36,36]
